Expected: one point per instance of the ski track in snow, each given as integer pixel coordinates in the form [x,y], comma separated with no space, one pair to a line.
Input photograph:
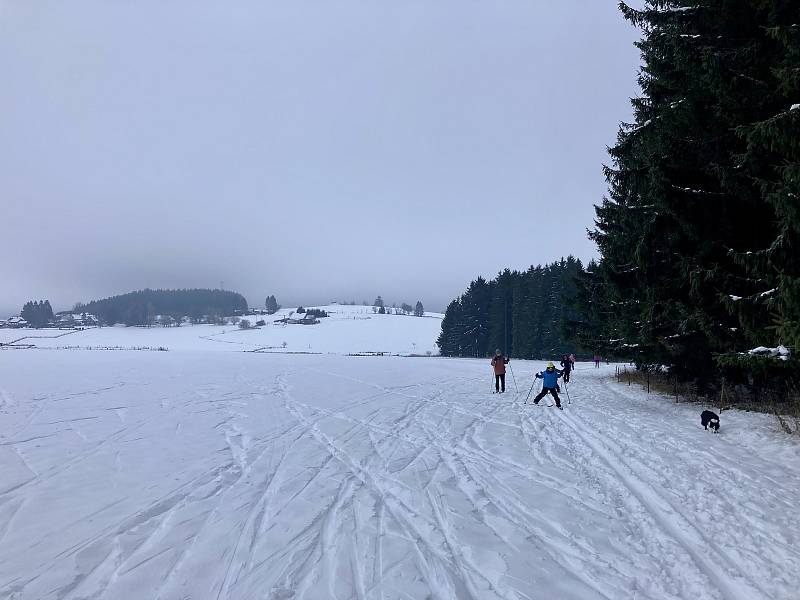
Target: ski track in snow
[239,476]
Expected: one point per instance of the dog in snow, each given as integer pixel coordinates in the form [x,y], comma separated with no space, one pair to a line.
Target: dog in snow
[709,419]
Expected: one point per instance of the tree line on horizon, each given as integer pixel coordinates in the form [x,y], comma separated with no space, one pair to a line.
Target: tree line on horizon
[524,314]
[141,307]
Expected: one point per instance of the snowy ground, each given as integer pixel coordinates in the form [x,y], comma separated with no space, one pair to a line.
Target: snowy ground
[177,475]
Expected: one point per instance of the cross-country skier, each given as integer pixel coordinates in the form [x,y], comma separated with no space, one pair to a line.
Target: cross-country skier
[499,363]
[597,358]
[550,376]
[568,365]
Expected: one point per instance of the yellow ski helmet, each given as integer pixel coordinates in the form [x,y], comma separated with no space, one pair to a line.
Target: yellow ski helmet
[550,365]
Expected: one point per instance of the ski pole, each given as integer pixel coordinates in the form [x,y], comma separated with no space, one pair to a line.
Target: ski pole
[530,390]
[514,378]
[566,389]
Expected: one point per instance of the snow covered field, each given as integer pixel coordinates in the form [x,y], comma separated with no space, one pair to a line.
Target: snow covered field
[348,329]
[176,475]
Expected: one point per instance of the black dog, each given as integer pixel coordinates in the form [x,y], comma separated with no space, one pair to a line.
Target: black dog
[709,419]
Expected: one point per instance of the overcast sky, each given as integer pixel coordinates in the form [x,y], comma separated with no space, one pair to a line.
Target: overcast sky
[311,149]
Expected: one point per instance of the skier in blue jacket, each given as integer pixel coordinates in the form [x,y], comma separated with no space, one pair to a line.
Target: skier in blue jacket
[550,376]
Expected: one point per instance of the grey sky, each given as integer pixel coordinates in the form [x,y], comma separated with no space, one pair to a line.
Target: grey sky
[313,150]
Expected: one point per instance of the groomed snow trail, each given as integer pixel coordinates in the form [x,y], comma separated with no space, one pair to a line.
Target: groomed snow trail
[201,475]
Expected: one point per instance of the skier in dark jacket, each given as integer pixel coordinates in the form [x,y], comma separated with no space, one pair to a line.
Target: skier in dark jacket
[550,376]
[499,363]
[568,365]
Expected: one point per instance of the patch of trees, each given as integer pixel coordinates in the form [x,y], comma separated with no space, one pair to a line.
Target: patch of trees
[141,307]
[272,305]
[525,314]
[700,231]
[317,313]
[403,309]
[37,314]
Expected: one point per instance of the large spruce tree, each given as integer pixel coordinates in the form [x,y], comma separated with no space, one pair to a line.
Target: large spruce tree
[689,185]
[772,158]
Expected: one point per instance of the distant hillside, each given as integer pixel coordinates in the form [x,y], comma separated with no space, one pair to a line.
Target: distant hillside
[141,307]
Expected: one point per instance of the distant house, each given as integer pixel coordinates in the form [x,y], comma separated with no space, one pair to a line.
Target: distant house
[167,321]
[16,323]
[208,320]
[299,319]
[74,320]
[66,319]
